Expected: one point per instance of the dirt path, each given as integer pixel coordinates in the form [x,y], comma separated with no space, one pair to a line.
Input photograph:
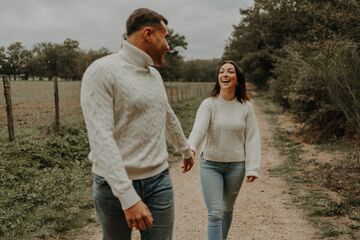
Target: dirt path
[263,209]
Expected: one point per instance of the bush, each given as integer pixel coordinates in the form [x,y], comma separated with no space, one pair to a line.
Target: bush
[320,84]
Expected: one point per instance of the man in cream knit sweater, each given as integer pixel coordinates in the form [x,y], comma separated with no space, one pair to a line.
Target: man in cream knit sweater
[129,119]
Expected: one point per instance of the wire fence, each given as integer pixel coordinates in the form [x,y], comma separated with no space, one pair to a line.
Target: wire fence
[34,104]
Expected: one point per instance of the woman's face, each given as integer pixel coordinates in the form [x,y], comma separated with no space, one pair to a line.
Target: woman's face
[227,77]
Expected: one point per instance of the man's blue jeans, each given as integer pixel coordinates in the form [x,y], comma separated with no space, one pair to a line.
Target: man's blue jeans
[156,192]
[221,183]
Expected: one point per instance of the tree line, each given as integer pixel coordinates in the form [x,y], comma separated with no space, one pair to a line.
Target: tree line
[47,60]
[68,61]
[306,53]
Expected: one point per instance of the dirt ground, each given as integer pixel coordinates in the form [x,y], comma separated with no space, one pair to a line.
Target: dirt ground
[263,209]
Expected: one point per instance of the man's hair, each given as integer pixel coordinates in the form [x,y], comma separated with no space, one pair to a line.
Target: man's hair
[143,17]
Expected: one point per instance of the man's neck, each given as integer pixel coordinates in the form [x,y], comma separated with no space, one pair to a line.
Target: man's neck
[133,40]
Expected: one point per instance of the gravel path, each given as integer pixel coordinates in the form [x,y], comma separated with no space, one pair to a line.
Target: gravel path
[263,209]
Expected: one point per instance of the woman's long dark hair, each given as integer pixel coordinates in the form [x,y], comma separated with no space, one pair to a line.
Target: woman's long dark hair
[240,92]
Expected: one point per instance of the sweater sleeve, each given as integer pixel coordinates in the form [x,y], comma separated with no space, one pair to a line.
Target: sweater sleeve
[97,106]
[201,125]
[252,143]
[175,134]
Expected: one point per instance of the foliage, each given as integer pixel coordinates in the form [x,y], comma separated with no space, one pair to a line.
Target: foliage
[270,25]
[48,60]
[320,83]
[199,70]
[57,60]
[15,59]
[44,185]
[2,59]
[172,71]
[342,74]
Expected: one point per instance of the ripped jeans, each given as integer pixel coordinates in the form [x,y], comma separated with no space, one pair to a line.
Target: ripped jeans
[220,183]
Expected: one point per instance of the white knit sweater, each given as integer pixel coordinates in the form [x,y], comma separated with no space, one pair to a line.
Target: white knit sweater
[229,132]
[128,117]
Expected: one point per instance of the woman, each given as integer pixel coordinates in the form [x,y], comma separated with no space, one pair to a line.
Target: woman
[227,125]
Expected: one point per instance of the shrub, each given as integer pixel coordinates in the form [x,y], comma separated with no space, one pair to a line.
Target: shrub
[319,82]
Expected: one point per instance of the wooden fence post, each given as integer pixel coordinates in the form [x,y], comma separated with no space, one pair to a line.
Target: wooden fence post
[171,93]
[9,113]
[57,105]
[177,92]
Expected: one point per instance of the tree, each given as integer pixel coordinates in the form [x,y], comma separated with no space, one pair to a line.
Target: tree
[270,25]
[3,61]
[200,70]
[17,57]
[68,60]
[85,58]
[46,59]
[172,70]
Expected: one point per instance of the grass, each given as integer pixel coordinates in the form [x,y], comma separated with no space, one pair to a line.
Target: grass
[44,184]
[45,177]
[311,181]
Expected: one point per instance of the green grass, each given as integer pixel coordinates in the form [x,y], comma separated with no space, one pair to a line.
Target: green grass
[186,112]
[44,185]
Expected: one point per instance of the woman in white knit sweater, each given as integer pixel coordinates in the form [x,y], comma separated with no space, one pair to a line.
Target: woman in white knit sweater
[226,135]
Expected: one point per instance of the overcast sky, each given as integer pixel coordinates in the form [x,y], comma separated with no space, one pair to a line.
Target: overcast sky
[206,24]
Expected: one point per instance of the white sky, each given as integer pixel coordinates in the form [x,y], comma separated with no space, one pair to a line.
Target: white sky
[206,24]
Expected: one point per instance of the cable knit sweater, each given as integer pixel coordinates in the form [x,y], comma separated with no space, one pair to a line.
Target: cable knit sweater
[229,131]
[128,119]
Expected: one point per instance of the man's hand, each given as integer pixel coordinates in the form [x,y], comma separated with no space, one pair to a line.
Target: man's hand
[139,216]
[187,164]
[250,179]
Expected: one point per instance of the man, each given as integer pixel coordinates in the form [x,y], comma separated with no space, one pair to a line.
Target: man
[128,119]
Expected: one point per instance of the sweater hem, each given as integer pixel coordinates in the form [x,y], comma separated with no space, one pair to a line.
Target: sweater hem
[136,173]
[221,159]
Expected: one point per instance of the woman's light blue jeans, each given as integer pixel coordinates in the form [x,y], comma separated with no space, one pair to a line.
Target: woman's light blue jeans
[221,183]
[156,192]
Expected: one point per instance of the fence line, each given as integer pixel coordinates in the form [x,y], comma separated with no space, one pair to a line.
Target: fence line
[181,91]
[176,92]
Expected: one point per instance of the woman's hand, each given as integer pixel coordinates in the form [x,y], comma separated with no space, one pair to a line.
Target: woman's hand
[250,179]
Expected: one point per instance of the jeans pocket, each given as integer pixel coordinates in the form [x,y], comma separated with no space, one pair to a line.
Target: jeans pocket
[100,181]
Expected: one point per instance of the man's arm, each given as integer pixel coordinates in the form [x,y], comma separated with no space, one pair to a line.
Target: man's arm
[97,106]
[176,137]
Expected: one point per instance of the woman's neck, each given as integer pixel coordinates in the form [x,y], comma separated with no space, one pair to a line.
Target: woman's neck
[227,94]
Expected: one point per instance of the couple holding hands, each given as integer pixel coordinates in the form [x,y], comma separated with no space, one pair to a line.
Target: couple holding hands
[129,122]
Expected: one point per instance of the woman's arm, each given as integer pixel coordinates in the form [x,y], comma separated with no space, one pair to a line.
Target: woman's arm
[252,144]
[201,125]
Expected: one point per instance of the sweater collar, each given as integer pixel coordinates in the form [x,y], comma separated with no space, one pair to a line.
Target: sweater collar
[135,56]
